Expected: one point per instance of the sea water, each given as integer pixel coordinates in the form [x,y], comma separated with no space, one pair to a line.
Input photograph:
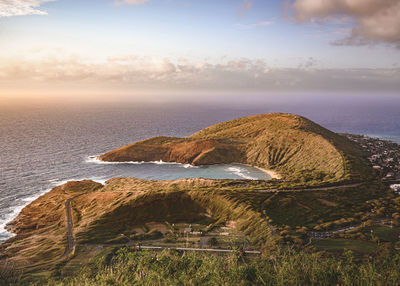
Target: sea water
[44,146]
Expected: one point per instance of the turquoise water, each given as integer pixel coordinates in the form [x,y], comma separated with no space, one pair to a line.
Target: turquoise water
[171,171]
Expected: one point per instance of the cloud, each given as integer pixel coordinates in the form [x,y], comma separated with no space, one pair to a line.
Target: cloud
[371,21]
[147,73]
[10,8]
[255,25]
[246,6]
[130,2]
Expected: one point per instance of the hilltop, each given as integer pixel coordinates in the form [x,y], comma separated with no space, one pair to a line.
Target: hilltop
[295,147]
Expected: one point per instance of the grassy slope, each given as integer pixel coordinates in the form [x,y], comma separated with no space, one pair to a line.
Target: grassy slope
[40,227]
[297,148]
[126,267]
[130,203]
[102,213]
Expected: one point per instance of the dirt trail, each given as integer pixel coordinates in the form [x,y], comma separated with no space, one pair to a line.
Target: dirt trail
[70,235]
[70,229]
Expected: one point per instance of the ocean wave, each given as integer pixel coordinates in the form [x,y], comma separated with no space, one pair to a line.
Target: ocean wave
[94,159]
[14,211]
[56,182]
[8,217]
[240,172]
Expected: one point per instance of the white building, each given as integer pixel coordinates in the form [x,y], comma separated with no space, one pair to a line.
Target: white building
[395,188]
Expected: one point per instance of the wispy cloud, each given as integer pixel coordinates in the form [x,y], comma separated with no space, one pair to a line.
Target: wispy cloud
[371,21]
[151,73]
[246,6]
[10,8]
[130,2]
[255,25]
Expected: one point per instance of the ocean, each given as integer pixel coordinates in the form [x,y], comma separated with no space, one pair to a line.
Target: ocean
[43,146]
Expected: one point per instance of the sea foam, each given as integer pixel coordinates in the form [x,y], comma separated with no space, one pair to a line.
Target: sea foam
[241,173]
[95,159]
[12,213]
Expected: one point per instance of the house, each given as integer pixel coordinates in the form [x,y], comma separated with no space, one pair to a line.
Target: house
[390,175]
[395,188]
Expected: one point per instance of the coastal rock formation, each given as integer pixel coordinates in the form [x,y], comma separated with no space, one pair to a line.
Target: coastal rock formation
[290,144]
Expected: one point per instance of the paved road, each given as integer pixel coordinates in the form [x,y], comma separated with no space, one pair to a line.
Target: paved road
[309,189]
[197,249]
[326,234]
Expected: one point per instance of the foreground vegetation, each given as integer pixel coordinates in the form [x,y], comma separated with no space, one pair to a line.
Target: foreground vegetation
[125,266]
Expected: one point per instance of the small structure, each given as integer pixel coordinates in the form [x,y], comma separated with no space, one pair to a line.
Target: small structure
[396,188]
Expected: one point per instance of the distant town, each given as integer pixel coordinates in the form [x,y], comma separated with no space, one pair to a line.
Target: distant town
[384,157]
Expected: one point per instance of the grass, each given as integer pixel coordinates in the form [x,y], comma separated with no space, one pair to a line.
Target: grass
[310,208]
[384,233]
[345,244]
[125,267]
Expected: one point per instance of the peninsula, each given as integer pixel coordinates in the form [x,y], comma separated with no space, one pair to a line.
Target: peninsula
[291,145]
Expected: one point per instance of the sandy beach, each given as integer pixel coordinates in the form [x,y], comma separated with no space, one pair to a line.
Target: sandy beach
[273,174]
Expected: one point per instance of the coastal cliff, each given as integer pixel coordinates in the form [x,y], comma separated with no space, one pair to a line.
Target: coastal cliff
[291,145]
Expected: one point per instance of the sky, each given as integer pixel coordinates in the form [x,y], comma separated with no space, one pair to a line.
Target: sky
[197,49]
